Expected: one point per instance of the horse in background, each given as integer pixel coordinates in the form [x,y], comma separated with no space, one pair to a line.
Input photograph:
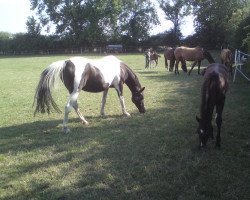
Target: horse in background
[226,57]
[196,54]
[147,58]
[90,75]
[213,94]
[169,55]
[154,57]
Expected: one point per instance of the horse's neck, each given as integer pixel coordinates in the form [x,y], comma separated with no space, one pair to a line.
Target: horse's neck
[131,80]
[207,105]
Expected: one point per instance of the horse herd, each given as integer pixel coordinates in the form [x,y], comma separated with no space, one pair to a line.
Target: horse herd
[98,75]
[182,54]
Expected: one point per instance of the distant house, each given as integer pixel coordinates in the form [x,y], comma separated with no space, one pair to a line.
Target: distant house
[114,48]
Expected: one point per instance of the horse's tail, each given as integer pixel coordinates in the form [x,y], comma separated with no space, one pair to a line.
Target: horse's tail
[208,56]
[43,98]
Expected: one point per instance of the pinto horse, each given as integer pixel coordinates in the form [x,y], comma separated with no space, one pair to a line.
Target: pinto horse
[169,55]
[196,54]
[213,94]
[226,57]
[80,73]
[154,57]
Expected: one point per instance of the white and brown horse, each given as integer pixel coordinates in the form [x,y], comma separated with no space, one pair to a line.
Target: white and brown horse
[196,54]
[154,57]
[213,95]
[89,75]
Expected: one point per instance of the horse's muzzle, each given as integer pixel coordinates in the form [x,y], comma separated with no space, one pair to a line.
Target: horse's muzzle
[142,110]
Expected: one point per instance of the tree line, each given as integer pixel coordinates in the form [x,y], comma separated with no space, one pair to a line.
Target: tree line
[90,23]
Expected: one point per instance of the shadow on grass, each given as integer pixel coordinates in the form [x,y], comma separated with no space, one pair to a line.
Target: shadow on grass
[150,156]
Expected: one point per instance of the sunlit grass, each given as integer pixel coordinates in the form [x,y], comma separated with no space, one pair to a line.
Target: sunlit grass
[150,156]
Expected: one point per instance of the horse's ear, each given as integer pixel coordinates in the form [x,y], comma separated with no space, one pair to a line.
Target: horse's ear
[141,90]
[198,119]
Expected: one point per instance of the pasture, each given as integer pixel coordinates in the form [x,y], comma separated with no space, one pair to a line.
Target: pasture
[149,156]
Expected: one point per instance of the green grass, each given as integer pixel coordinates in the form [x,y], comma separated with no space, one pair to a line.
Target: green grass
[150,156]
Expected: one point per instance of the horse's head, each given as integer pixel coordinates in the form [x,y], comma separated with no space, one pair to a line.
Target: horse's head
[204,130]
[138,100]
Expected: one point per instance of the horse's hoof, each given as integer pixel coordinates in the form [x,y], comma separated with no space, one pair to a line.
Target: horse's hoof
[126,114]
[66,130]
[85,122]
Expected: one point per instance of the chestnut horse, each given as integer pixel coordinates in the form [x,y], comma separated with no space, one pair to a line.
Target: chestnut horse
[169,55]
[196,54]
[226,57]
[213,94]
[90,75]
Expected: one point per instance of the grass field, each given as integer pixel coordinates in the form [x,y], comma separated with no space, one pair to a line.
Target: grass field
[150,156]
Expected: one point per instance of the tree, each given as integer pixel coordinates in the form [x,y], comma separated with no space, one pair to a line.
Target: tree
[175,11]
[93,22]
[33,27]
[212,20]
[137,19]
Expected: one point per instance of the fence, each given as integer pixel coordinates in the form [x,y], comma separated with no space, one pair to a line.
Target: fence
[80,50]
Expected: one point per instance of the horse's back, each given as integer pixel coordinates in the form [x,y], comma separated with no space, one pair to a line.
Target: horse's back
[189,54]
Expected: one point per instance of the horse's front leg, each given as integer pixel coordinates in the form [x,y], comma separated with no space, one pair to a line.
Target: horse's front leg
[104,97]
[119,90]
[192,67]
[219,109]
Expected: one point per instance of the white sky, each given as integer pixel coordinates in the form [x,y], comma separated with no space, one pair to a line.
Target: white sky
[14,13]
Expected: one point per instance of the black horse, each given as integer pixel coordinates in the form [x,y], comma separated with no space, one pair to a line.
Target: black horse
[213,94]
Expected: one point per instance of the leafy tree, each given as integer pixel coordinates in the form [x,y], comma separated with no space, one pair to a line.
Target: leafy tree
[212,20]
[33,27]
[137,19]
[175,11]
[93,22]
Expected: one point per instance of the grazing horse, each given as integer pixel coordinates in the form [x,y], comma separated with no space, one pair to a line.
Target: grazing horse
[226,57]
[213,94]
[196,54]
[169,55]
[154,57]
[80,73]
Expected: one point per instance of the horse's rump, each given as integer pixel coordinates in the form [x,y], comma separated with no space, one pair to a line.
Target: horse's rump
[216,78]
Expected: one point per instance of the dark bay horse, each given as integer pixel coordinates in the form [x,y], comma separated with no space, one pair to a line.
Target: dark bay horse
[226,57]
[213,94]
[196,54]
[169,55]
[80,73]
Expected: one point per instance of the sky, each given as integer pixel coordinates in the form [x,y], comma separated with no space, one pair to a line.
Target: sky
[14,14]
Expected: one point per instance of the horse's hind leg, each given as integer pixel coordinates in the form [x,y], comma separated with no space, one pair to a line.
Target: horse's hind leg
[199,65]
[176,71]
[192,67]
[72,102]
[219,109]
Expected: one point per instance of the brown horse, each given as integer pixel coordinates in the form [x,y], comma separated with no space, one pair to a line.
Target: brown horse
[196,54]
[154,57]
[169,55]
[213,91]
[226,57]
